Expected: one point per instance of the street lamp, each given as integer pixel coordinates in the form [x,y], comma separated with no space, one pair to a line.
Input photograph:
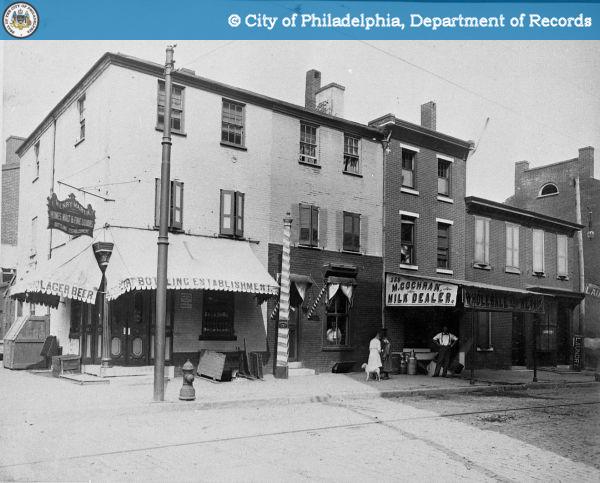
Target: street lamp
[102,252]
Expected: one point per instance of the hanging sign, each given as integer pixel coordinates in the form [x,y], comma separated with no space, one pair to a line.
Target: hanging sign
[592,289]
[577,352]
[417,292]
[70,216]
[503,301]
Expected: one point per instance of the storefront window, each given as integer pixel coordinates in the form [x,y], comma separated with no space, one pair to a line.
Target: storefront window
[337,321]
[484,330]
[218,313]
[546,334]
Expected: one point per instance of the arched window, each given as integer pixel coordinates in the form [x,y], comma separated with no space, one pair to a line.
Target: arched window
[548,189]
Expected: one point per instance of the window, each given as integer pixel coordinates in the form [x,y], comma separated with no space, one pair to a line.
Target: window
[336,331]
[217,315]
[175,205]
[538,252]
[232,123]
[351,241]
[562,256]
[308,143]
[546,332]
[232,214]
[309,225]
[512,245]
[8,274]
[484,330]
[443,250]
[407,241]
[482,241]
[408,168]
[548,189]
[351,158]
[81,110]
[36,151]
[444,177]
[176,107]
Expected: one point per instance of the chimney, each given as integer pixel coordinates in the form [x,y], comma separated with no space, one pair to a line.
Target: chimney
[586,162]
[330,99]
[313,84]
[428,115]
[12,144]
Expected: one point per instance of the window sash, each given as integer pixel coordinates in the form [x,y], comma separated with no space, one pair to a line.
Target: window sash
[512,246]
[482,240]
[351,154]
[232,123]
[337,318]
[232,213]
[538,251]
[218,314]
[562,267]
[176,107]
[351,239]
[308,143]
[408,167]
[36,150]
[407,240]
[309,225]
[443,250]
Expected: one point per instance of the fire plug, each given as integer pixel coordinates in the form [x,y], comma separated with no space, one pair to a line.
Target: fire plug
[187,392]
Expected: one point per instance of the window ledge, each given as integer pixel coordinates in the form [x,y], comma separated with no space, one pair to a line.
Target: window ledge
[79,141]
[352,252]
[539,274]
[489,349]
[409,267]
[177,133]
[304,163]
[410,191]
[514,270]
[218,337]
[345,348]
[35,179]
[445,271]
[562,277]
[350,173]
[445,199]
[549,194]
[482,266]
[225,144]
[310,247]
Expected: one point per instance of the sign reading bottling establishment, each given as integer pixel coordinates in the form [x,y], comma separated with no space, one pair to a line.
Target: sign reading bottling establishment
[416,292]
[503,301]
[70,216]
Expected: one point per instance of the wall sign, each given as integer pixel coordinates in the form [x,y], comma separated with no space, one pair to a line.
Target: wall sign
[70,216]
[185,300]
[592,289]
[577,350]
[502,301]
[415,292]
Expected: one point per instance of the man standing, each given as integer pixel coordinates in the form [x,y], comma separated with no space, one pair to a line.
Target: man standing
[445,340]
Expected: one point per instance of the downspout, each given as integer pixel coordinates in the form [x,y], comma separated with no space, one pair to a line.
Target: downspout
[52,175]
[581,260]
[385,145]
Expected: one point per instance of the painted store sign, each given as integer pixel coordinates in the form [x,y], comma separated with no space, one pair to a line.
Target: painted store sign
[414,292]
[504,302]
[70,216]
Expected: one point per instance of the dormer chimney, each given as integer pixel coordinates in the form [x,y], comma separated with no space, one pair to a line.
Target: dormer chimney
[428,115]
[313,84]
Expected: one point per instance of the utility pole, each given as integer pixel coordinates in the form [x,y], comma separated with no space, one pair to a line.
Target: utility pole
[163,239]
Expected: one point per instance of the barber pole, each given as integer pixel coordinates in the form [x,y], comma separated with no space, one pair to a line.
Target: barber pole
[281,362]
[317,300]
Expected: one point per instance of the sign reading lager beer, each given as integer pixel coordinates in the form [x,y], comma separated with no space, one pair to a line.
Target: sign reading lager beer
[70,216]
[416,292]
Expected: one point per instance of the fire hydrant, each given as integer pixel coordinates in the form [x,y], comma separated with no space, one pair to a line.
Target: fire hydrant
[187,392]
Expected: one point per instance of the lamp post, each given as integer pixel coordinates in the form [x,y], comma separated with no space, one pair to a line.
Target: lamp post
[102,252]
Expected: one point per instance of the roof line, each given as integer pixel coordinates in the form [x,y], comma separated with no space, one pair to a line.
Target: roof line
[552,164]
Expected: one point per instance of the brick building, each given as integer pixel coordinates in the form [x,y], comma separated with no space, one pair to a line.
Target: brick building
[554,190]
[240,162]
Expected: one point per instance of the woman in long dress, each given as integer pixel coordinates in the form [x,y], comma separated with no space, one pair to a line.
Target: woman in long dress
[375,352]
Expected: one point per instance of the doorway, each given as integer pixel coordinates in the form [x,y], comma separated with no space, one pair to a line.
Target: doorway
[294,333]
[563,335]
[518,339]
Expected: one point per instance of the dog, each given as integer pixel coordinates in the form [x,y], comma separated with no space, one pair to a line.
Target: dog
[371,370]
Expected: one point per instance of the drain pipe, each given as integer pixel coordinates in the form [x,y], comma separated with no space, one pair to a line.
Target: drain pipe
[581,263]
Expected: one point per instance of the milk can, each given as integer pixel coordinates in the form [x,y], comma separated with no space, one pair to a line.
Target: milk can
[412,364]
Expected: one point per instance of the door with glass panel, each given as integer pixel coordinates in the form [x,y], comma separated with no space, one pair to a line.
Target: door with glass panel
[85,319]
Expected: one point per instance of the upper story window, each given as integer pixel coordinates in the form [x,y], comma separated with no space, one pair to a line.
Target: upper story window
[512,245]
[408,168]
[444,177]
[309,225]
[308,143]
[175,205]
[36,152]
[562,264]
[538,252]
[548,189]
[351,157]
[482,241]
[81,110]
[407,240]
[351,241]
[232,214]
[177,99]
[232,123]
[443,250]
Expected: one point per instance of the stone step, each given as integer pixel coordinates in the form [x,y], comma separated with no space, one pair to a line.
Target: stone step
[302,371]
[295,365]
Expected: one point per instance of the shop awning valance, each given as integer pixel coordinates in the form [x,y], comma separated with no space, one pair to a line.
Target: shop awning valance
[345,284]
[301,284]
[194,263]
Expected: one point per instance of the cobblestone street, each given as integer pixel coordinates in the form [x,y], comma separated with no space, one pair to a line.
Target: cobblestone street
[548,435]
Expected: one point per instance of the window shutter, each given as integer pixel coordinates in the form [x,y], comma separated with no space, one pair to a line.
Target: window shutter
[227,213]
[314,225]
[356,232]
[156,202]
[323,227]
[486,240]
[538,251]
[176,212]
[239,214]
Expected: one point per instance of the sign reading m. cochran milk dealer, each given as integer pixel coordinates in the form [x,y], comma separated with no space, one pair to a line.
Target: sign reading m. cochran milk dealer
[417,292]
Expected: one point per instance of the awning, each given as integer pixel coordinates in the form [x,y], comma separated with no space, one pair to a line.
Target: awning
[194,263]
[301,283]
[345,284]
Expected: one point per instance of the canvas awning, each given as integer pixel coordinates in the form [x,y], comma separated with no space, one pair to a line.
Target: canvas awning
[194,263]
[345,284]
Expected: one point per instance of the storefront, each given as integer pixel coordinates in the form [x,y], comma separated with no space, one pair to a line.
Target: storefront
[216,289]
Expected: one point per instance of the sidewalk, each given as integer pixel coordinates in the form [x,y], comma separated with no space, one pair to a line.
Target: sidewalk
[28,392]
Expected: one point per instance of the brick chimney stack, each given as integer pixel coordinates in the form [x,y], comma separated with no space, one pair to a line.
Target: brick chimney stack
[313,84]
[428,115]
[586,162]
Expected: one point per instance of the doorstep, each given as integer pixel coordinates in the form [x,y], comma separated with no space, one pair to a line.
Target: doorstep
[124,371]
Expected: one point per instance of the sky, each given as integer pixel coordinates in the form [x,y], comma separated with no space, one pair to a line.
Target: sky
[536,100]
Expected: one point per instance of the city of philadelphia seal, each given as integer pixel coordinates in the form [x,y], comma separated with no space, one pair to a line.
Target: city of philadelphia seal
[20,20]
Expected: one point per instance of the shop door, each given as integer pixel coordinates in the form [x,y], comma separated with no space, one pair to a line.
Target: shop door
[130,322]
[563,336]
[294,333]
[91,331]
[518,340]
